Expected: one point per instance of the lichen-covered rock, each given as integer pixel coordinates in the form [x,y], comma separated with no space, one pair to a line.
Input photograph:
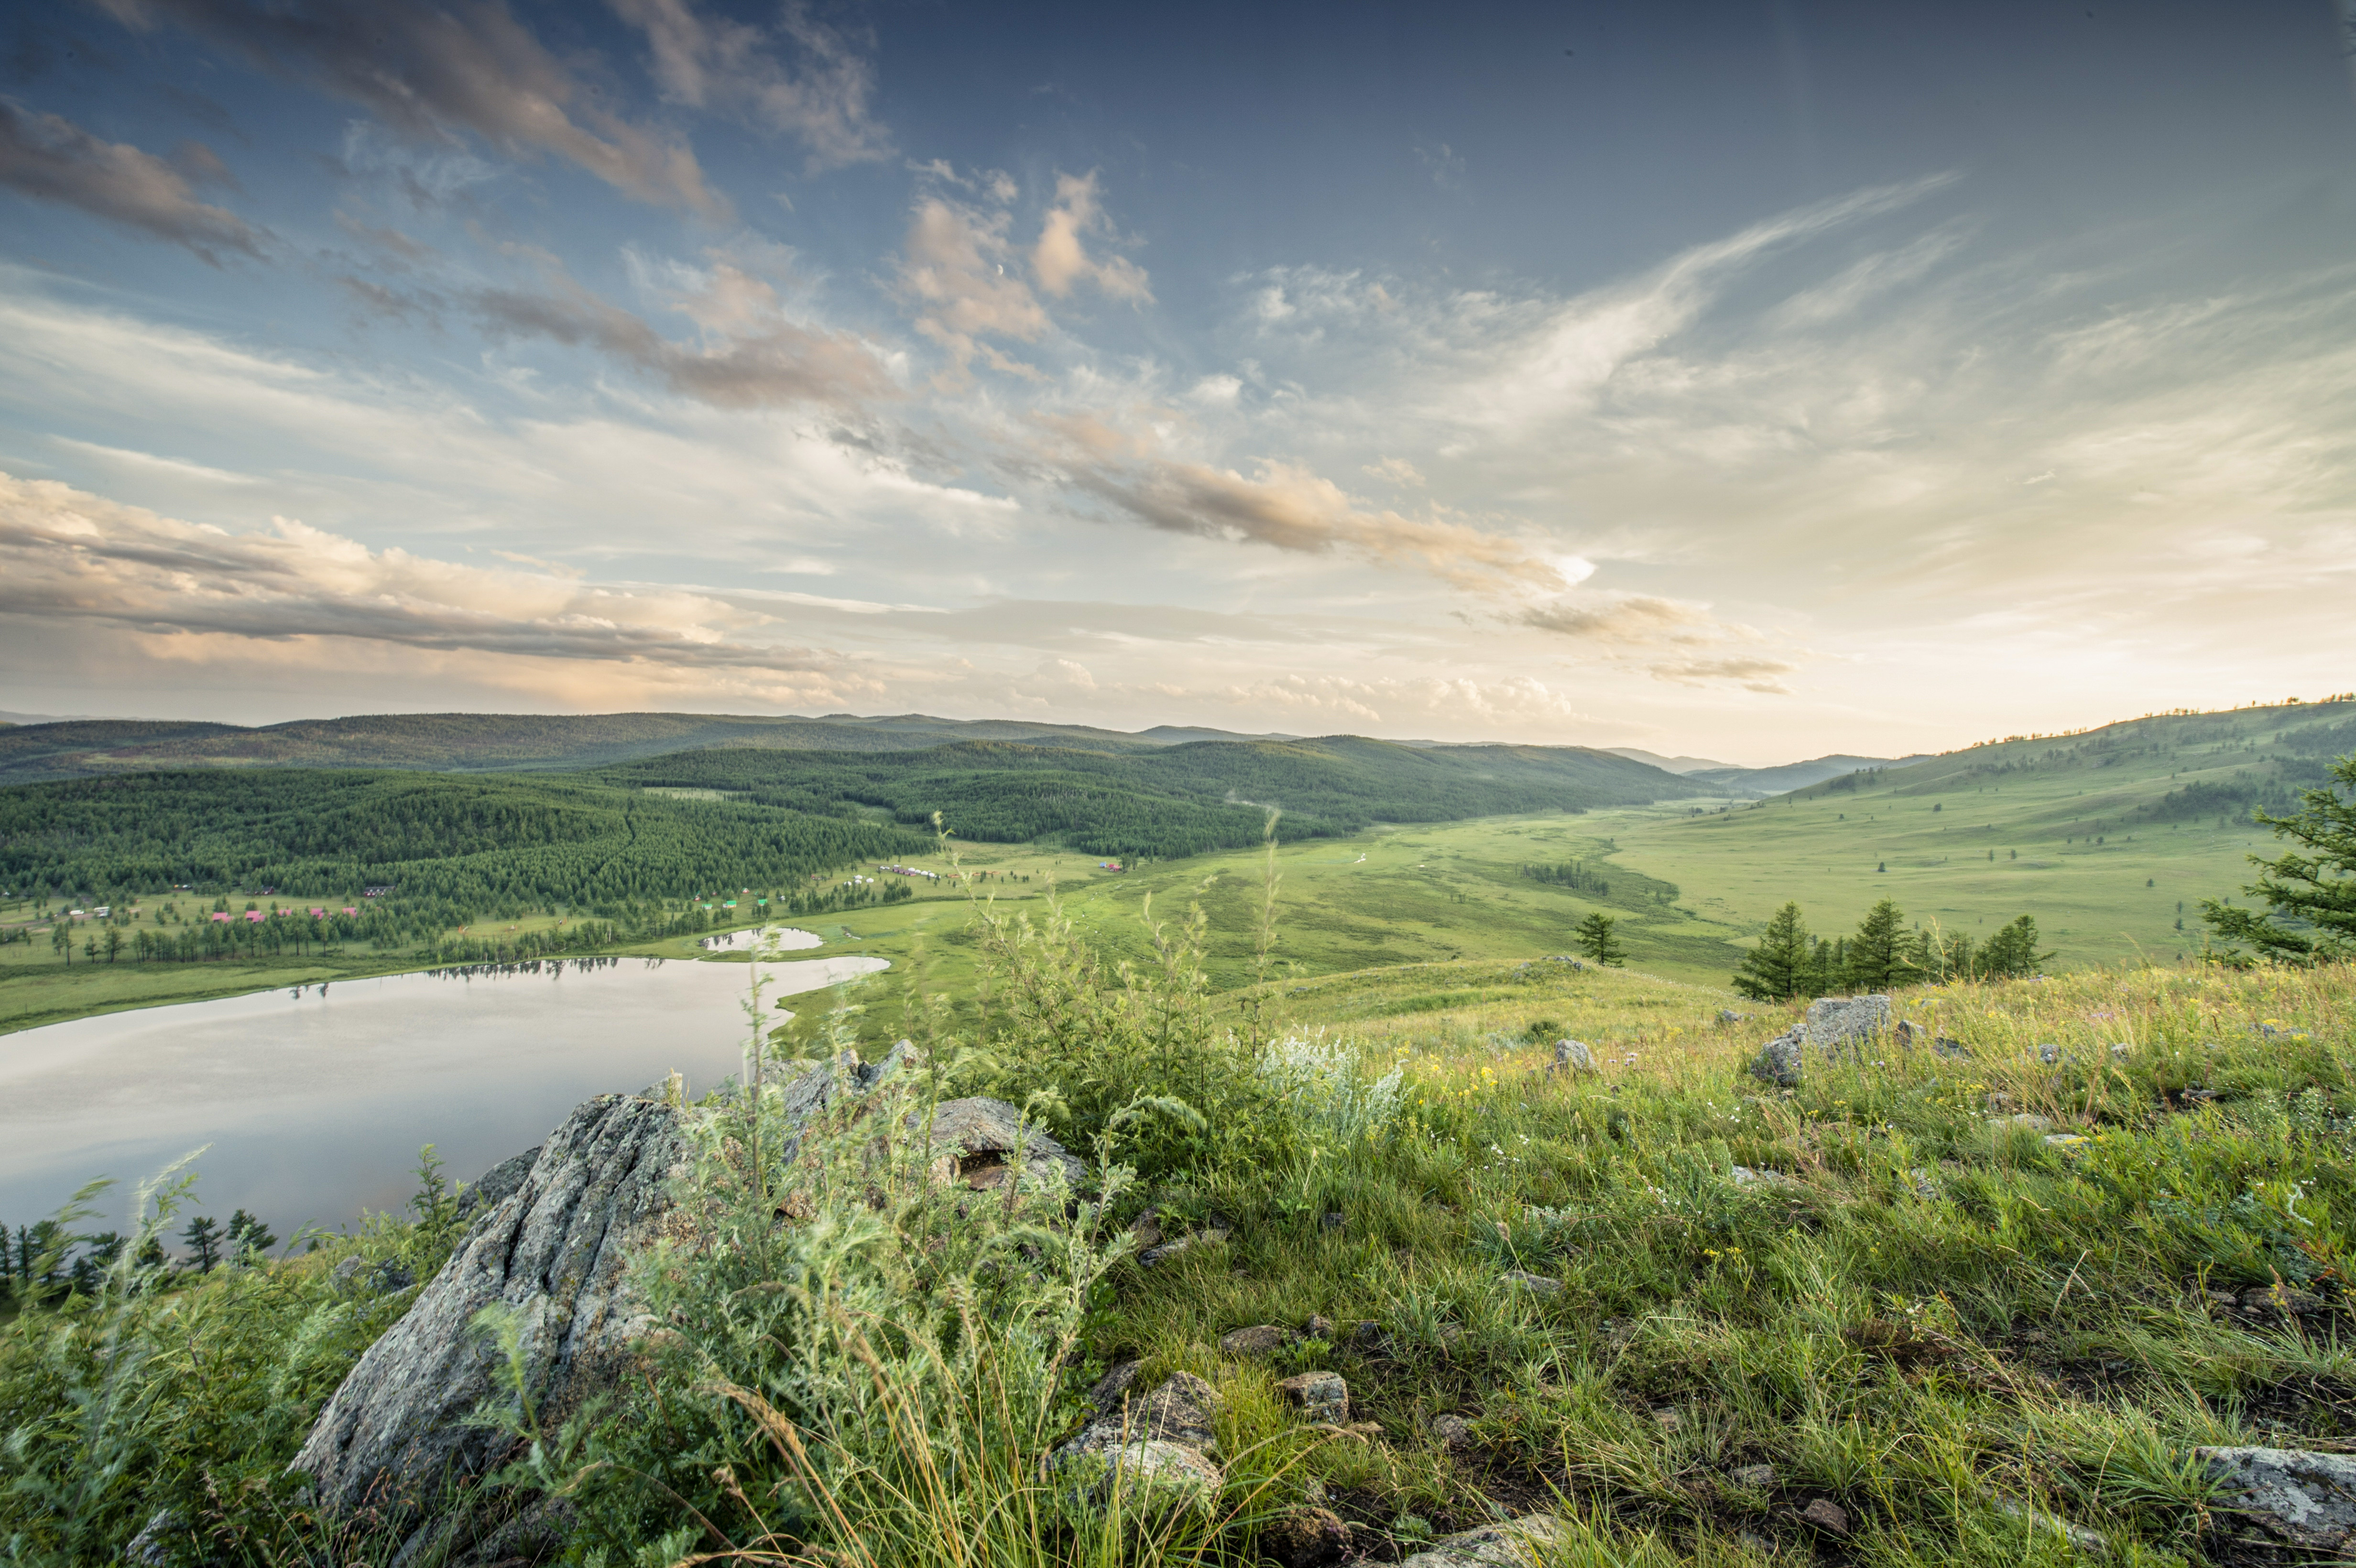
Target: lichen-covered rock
[1535,1284]
[1778,1061]
[1516,1544]
[1306,1538]
[1574,1056]
[498,1183]
[2305,1500]
[1259,1339]
[1837,1024]
[1318,1396]
[972,1139]
[1156,1445]
[1153,1256]
[553,1253]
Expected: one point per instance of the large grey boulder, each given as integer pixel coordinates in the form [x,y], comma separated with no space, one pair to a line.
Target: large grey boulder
[554,1254]
[1574,1056]
[2304,1499]
[1516,1544]
[1837,1024]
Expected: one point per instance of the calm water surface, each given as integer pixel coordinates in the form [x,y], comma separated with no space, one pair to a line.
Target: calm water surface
[314,1103]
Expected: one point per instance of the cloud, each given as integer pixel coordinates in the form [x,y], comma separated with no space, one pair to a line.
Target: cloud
[1395,471]
[49,157]
[953,265]
[1445,165]
[431,71]
[66,555]
[1059,259]
[1289,507]
[752,355]
[1754,674]
[1629,618]
[716,62]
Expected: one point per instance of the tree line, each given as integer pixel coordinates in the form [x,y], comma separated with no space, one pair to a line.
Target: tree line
[1792,962]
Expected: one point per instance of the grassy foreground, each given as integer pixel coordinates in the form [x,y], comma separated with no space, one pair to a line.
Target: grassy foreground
[1932,1320]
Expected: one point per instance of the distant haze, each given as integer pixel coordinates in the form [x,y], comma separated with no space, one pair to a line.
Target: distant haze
[1757,384]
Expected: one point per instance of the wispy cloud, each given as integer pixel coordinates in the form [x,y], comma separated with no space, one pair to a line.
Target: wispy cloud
[1060,259]
[49,157]
[434,71]
[820,95]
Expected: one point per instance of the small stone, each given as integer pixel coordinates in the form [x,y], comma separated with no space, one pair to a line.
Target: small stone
[1910,1033]
[1952,1047]
[1147,1229]
[2281,1298]
[1827,1515]
[2025,1122]
[1110,1388]
[1153,1256]
[1668,1421]
[1743,1176]
[1758,1476]
[1367,1336]
[1318,1328]
[1335,1222]
[1574,1057]
[1453,1431]
[1259,1339]
[1923,1186]
[2050,1054]
[1319,1396]
[2118,1051]
[2223,1300]
[2066,1140]
[1305,1538]
[1368,1430]
[1537,1285]
[2088,1541]
[1515,1543]
[1728,1016]
[1757,1545]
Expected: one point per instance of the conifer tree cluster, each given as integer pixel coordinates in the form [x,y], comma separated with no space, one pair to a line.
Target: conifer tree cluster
[1790,962]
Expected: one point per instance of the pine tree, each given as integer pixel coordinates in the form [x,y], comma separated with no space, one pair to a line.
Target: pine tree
[204,1238]
[247,1233]
[1594,938]
[1780,967]
[2011,950]
[2309,893]
[1880,955]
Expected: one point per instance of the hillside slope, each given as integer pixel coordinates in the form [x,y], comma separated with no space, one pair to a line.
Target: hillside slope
[489,741]
[2109,838]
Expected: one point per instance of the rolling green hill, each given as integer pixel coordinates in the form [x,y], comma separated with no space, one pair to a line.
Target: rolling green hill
[2110,838]
[1178,800]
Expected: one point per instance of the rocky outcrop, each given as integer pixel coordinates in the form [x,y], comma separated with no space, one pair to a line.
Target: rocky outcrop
[498,1183]
[552,1248]
[1778,1061]
[553,1253]
[2299,1499]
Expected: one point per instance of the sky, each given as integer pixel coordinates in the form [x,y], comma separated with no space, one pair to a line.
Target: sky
[1748,380]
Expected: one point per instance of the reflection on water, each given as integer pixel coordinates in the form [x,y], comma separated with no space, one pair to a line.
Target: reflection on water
[785,938]
[314,1100]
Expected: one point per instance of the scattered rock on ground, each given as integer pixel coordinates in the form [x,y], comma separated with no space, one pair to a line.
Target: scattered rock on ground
[1573,1056]
[1147,1229]
[1778,1061]
[1334,1221]
[1259,1339]
[973,1140]
[1668,1421]
[1318,1328]
[1743,1176]
[1537,1285]
[1946,1047]
[1516,1544]
[1728,1016]
[1759,1476]
[360,1275]
[2024,1122]
[1453,1431]
[2284,1298]
[159,1542]
[2037,1520]
[2307,1500]
[1835,1025]
[1158,1443]
[1151,1256]
[2050,1054]
[1306,1538]
[2066,1140]
[1825,1515]
[1319,1396]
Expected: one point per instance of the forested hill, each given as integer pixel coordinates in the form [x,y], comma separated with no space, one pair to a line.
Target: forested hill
[2158,769]
[1178,800]
[494,741]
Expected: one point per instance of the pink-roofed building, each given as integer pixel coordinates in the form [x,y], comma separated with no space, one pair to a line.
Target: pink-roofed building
[349,910]
[219,918]
[318,915]
[254,917]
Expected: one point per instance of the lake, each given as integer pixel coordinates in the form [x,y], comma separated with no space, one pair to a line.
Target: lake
[316,1100]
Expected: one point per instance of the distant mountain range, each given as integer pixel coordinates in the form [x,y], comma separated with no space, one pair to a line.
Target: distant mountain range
[33,749]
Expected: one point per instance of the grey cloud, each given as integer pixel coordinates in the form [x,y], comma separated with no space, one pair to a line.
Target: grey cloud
[768,360]
[431,70]
[1630,618]
[49,157]
[716,62]
[66,555]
